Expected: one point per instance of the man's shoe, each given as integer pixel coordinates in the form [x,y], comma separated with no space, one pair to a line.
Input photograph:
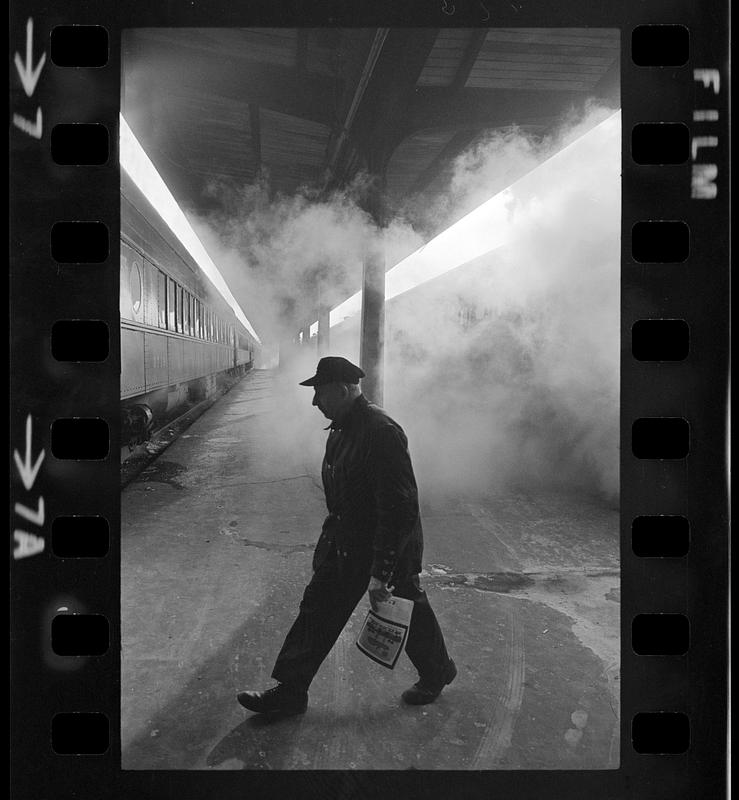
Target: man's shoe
[421,694]
[279,699]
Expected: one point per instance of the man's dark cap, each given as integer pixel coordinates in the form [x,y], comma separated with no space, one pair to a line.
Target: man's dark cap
[334,369]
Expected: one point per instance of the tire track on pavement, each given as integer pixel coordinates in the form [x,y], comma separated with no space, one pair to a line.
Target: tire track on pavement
[497,738]
[331,754]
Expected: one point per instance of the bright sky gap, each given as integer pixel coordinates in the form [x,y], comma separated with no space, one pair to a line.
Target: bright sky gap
[481,231]
[144,174]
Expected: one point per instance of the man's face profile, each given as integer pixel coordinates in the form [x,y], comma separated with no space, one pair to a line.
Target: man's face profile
[328,398]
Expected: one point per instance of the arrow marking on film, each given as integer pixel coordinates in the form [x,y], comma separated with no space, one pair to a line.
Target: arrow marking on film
[27,471]
[28,75]
[27,544]
[36,517]
[34,129]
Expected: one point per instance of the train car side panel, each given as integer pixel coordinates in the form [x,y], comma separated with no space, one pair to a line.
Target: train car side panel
[176,354]
[155,360]
[133,378]
[181,343]
[243,357]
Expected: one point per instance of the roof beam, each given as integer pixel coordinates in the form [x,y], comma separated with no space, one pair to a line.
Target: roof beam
[462,138]
[468,59]
[452,148]
[339,144]
[379,122]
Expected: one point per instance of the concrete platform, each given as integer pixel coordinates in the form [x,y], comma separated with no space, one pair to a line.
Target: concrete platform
[217,536]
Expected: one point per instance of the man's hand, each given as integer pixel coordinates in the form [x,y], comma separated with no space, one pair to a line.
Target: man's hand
[378,592]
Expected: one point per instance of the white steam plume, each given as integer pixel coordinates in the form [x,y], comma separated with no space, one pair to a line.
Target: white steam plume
[502,372]
[506,371]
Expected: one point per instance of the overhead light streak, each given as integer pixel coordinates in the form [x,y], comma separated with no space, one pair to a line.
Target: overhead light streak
[482,231]
[144,174]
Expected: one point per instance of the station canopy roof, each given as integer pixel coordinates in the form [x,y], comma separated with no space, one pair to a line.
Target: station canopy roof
[306,106]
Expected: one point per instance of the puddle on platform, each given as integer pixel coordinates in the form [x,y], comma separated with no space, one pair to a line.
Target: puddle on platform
[499,582]
[164,472]
[274,547]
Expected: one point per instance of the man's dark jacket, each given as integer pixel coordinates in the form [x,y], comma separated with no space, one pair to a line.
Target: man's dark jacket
[371,494]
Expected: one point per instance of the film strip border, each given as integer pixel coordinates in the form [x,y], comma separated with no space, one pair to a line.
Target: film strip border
[64,389]
[64,384]
[671,424]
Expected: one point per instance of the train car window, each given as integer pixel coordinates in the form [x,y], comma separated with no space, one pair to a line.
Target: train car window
[185,311]
[179,314]
[131,298]
[170,303]
[151,312]
[198,318]
[161,299]
[124,296]
[177,307]
[136,286]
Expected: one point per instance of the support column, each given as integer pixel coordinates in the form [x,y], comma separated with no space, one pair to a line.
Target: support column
[373,291]
[287,342]
[324,337]
[373,324]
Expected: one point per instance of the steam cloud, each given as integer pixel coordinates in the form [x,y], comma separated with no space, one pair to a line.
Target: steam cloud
[504,372]
[275,251]
[525,390]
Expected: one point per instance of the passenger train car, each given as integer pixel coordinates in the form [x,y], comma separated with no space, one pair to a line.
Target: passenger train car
[181,342]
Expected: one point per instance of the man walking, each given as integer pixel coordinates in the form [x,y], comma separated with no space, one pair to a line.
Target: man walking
[371,541]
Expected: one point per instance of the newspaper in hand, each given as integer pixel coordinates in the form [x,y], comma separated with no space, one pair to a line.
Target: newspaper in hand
[384,632]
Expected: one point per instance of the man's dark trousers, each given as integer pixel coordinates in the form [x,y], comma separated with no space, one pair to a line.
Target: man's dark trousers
[329,600]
